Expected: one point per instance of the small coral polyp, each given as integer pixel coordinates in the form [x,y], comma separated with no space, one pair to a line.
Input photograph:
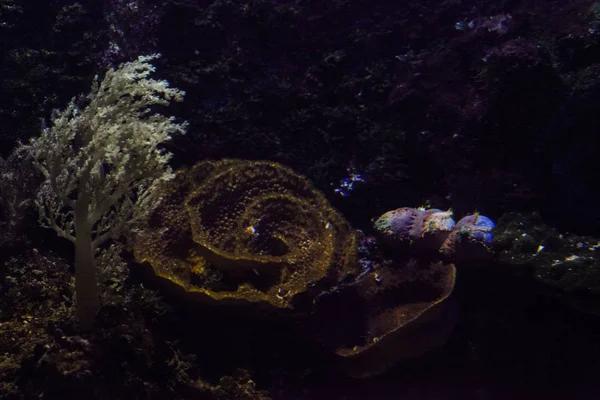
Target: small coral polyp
[246,231]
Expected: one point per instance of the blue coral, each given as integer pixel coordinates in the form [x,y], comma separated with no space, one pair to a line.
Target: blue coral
[471,239]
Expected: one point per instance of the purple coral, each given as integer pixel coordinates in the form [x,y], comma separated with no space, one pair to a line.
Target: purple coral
[435,231]
[415,226]
[471,239]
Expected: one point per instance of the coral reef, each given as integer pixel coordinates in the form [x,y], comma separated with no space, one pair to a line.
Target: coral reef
[458,104]
[246,232]
[399,307]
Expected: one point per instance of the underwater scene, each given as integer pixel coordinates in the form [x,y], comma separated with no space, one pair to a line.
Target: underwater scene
[299,199]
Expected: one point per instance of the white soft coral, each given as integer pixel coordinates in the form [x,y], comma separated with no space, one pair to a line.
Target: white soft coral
[102,165]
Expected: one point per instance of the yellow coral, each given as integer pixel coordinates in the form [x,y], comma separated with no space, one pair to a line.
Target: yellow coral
[251,231]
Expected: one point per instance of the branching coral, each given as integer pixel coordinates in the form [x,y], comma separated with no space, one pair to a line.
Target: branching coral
[102,164]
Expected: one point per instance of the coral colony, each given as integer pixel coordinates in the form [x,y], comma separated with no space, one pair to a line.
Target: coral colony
[433,229]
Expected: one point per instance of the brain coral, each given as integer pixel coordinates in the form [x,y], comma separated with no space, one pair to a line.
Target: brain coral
[246,232]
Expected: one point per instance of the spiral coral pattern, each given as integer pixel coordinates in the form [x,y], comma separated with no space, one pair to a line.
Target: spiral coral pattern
[258,223]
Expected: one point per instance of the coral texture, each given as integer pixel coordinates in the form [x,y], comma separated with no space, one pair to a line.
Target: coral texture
[471,238]
[417,226]
[246,231]
[417,229]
